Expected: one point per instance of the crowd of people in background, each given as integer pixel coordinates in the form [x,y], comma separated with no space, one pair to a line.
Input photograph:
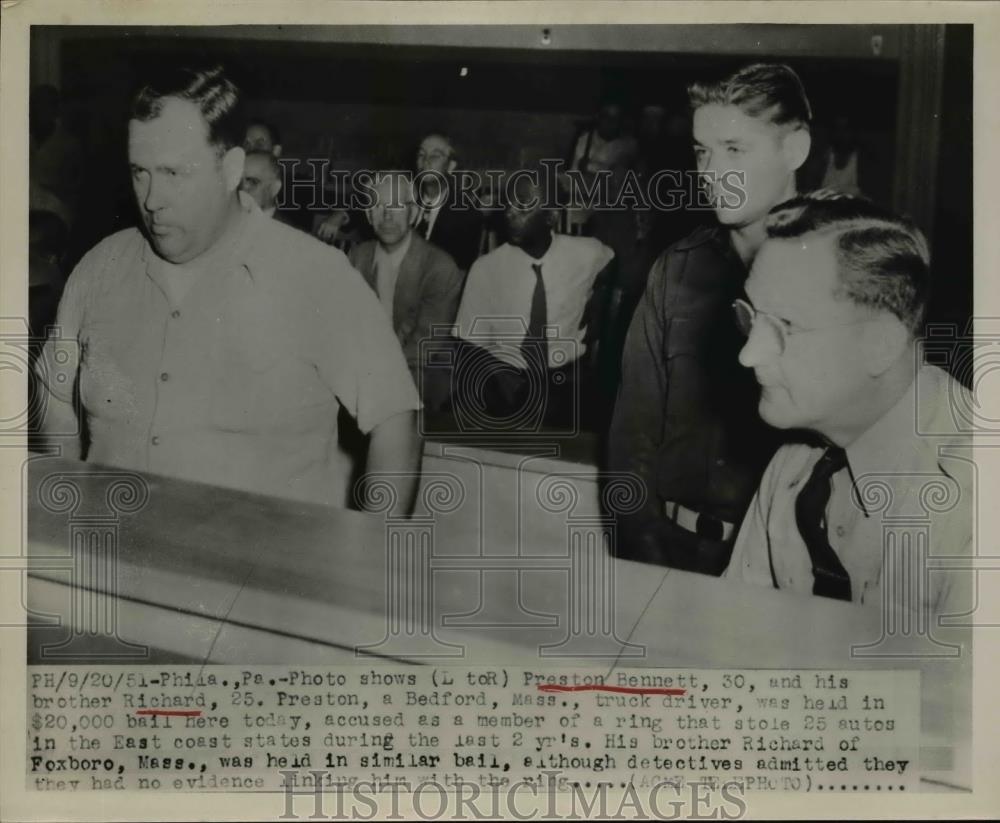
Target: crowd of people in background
[223,338]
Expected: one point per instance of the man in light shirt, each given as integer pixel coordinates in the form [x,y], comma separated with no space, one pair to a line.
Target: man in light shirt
[215,344]
[529,311]
[836,297]
[418,284]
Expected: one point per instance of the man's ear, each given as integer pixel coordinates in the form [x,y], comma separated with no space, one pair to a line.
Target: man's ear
[886,340]
[275,188]
[452,164]
[232,167]
[276,151]
[795,147]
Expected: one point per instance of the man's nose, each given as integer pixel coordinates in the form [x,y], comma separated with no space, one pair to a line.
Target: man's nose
[758,349]
[155,195]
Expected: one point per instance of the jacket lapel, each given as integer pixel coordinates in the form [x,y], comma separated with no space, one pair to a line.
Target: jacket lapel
[366,264]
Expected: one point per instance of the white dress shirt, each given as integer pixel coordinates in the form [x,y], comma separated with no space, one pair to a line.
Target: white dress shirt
[387,265]
[496,304]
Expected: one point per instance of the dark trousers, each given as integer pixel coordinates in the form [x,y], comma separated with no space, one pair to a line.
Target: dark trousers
[491,395]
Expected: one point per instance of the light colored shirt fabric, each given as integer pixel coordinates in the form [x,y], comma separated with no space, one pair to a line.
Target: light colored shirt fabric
[239,382]
[496,304]
[387,265]
[912,476]
[844,180]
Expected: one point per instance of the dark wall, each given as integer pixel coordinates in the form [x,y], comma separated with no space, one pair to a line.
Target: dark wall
[952,264]
[367,105]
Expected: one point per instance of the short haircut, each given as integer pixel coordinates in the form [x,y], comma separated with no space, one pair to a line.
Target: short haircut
[452,148]
[883,260]
[769,90]
[269,158]
[270,128]
[400,186]
[216,96]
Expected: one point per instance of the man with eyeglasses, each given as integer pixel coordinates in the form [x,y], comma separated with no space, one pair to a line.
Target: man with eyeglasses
[685,422]
[836,297]
[448,224]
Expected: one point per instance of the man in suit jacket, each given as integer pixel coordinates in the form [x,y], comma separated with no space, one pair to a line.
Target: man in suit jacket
[418,284]
[450,225]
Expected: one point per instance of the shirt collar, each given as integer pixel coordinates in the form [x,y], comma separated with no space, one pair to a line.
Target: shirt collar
[550,252]
[394,257]
[893,442]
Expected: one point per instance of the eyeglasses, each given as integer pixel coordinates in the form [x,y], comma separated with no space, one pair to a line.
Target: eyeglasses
[777,329]
[437,154]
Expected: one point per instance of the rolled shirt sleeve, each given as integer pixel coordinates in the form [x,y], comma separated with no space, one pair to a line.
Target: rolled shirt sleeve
[356,351]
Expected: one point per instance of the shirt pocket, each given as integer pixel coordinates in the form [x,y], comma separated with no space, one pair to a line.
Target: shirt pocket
[107,390]
[259,387]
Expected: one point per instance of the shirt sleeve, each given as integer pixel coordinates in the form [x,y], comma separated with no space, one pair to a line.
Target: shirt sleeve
[475,303]
[58,365]
[354,347]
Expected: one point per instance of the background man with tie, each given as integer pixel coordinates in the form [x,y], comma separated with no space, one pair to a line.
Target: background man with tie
[453,226]
[836,296]
[525,310]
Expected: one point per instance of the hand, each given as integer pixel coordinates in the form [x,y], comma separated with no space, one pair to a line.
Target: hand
[330,227]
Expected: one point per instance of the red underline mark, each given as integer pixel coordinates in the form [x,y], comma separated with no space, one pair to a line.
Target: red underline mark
[171,712]
[551,687]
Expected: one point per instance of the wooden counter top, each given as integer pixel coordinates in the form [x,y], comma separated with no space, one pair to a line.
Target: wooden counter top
[214,575]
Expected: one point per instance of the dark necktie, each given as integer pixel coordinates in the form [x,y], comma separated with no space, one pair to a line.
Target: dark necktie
[535,346]
[830,577]
[424,224]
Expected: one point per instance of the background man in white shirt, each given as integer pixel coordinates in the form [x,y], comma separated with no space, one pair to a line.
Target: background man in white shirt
[529,310]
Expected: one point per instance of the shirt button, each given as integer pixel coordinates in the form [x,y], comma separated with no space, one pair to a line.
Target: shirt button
[155,440]
[175,314]
[720,462]
[164,377]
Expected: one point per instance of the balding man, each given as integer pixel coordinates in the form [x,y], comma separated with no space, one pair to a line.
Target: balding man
[262,182]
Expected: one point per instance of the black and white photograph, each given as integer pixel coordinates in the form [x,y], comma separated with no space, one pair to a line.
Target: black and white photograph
[416,410]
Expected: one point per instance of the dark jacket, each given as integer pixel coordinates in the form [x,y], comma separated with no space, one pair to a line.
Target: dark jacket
[686,420]
[459,232]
